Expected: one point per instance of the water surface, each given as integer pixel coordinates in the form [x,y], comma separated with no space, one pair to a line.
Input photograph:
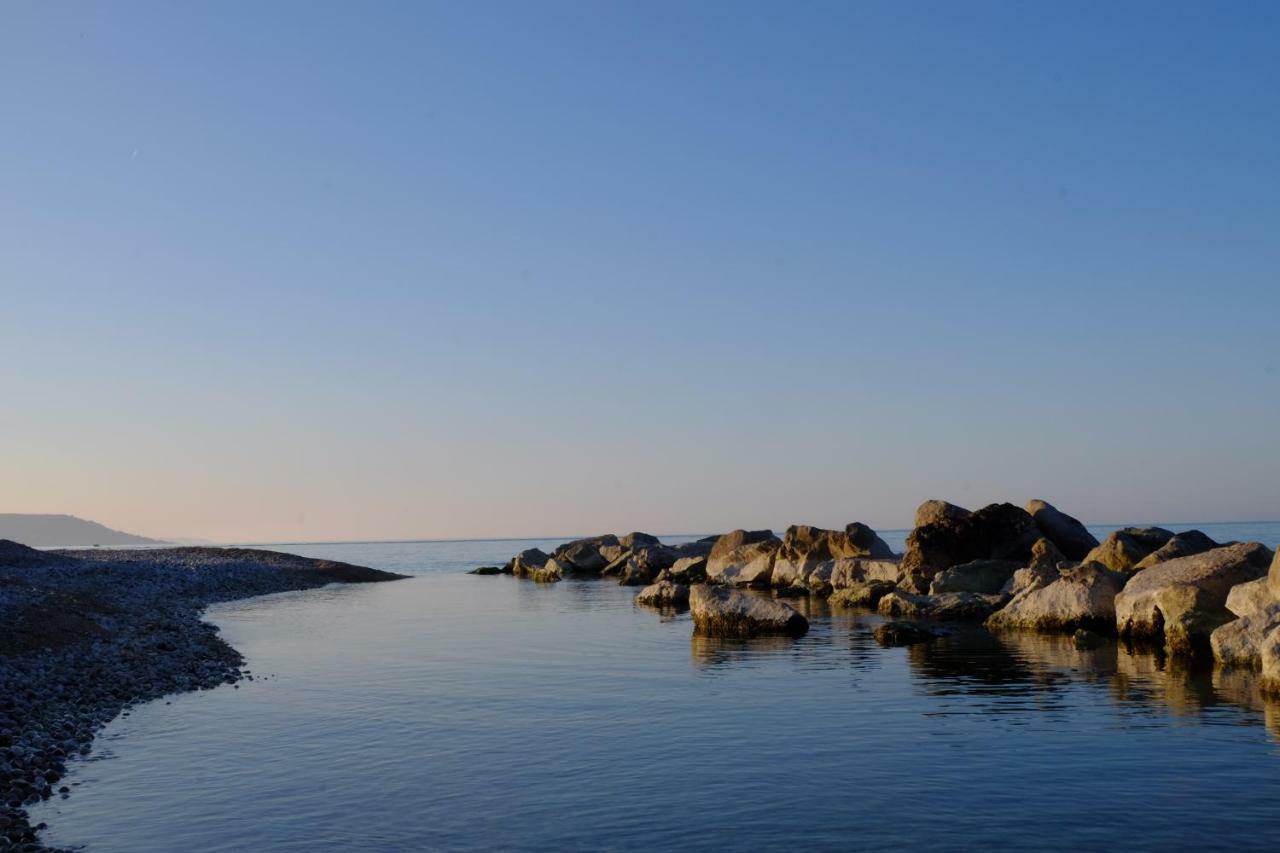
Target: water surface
[452,712]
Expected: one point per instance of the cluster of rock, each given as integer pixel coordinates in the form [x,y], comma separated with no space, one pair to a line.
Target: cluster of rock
[88,634]
[1032,567]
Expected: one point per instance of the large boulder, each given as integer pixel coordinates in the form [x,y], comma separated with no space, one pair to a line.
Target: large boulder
[664,594]
[1257,604]
[697,548]
[645,563]
[1184,544]
[851,572]
[638,540]
[1182,601]
[584,555]
[808,551]
[988,576]
[743,558]
[686,570]
[864,594]
[1062,530]
[1079,597]
[932,512]
[1123,549]
[949,606]
[722,612]
[527,561]
[995,532]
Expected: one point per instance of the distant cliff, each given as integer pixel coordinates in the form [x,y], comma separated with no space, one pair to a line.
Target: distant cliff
[42,531]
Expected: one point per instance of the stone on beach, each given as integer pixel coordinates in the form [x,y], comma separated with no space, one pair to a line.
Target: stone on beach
[723,612]
[1183,601]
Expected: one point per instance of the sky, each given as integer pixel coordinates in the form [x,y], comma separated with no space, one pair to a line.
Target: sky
[282,271]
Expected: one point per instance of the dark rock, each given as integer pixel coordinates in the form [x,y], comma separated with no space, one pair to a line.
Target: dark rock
[485,570]
[1123,549]
[995,532]
[986,576]
[906,633]
[1071,537]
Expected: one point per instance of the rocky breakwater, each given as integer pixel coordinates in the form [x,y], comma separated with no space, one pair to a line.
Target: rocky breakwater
[85,635]
[1252,639]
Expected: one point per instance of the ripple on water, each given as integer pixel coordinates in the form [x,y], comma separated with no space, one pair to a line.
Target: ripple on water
[452,712]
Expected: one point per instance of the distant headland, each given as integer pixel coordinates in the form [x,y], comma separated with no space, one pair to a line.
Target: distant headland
[47,531]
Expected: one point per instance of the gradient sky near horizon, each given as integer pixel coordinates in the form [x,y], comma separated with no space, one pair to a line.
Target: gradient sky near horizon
[392,270]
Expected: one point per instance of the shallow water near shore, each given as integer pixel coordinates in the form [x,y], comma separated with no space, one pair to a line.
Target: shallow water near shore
[453,712]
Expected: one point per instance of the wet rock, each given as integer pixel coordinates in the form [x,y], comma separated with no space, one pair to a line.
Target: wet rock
[485,570]
[724,612]
[1079,597]
[906,633]
[1123,549]
[1068,534]
[528,561]
[644,564]
[1182,601]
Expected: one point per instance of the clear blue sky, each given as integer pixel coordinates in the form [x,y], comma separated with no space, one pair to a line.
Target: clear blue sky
[328,270]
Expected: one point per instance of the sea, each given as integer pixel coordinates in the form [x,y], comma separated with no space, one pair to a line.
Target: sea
[455,712]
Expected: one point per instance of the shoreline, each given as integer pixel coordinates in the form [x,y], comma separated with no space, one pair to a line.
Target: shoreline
[96,632]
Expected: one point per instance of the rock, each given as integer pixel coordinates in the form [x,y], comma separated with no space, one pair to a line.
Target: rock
[906,633]
[743,558]
[1032,577]
[861,541]
[638,540]
[863,594]
[549,572]
[1046,555]
[995,532]
[1080,597]
[687,570]
[645,563]
[528,561]
[699,548]
[932,512]
[852,572]
[664,594]
[721,612]
[584,555]
[987,576]
[485,570]
[1184,544]
[1083,639]
[807,551]
[1239,642]
[1123,549]
[1071,537]
[1182,601]
[949,606]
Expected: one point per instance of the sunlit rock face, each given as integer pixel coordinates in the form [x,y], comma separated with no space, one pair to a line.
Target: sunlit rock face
[1182,601]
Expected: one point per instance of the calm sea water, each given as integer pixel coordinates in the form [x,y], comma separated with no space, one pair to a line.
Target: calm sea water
[453,712]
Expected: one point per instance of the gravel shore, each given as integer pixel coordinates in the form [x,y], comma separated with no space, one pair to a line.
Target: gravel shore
[86,634]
